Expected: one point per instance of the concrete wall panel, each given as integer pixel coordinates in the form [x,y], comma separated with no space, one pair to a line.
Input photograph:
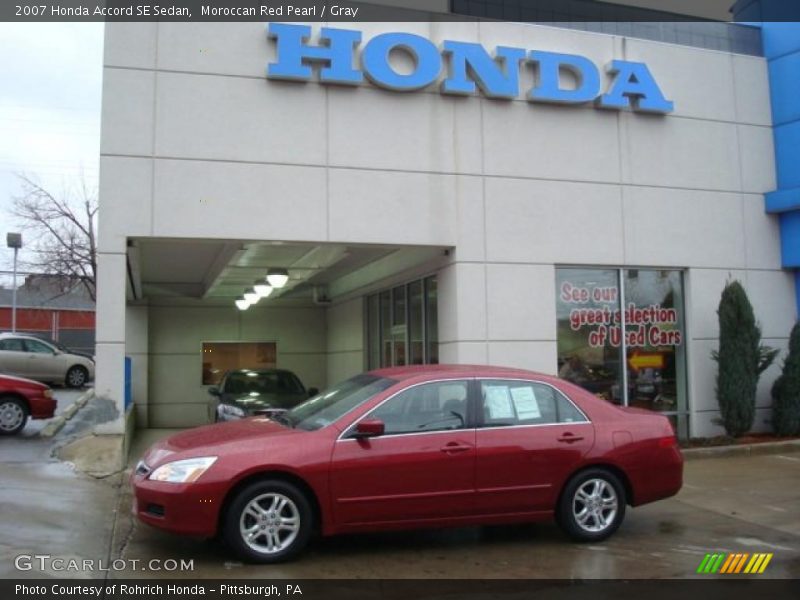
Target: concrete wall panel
[239,201]
[238,119]
[127,115]
[673,227]
[392,208]
[558,222]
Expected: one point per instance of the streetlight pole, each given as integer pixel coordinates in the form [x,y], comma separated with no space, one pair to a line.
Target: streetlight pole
[14,240]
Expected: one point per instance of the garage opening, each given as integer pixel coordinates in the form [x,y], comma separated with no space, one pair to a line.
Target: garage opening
[343,309]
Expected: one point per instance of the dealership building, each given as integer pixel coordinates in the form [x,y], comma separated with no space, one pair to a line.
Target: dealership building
[536,196]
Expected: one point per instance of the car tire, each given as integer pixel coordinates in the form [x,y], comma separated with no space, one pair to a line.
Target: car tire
[13,415]
[268,521]
[592,505]
[77,377]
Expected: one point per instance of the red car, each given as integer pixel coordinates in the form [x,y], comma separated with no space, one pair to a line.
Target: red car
[411,447]
[22,398]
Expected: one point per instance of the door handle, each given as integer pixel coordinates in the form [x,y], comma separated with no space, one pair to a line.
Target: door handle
[569,438]
[454,447]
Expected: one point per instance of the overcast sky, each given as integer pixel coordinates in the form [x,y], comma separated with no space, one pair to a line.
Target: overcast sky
[50,89]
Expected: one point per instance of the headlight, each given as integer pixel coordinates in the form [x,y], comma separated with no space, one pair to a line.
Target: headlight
[183,471]
[48,393]
[232,410]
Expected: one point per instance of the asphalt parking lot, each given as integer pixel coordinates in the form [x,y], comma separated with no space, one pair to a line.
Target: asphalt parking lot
[734,504]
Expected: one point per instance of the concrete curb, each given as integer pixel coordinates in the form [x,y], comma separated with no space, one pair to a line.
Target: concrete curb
[743,450]
[54,426]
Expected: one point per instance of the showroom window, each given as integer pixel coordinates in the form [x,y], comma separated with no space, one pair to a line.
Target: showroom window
[633,356]
[219,357]
[402,325]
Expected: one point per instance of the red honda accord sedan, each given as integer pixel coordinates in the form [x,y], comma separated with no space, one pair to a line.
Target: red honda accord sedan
[411,447]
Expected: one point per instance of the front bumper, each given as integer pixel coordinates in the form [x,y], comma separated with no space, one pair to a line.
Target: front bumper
[184,508]
[42,407]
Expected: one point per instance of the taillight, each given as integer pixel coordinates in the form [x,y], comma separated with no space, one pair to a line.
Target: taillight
[668,442]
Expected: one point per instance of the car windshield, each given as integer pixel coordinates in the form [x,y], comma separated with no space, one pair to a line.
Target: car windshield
[262,382]
[325,408]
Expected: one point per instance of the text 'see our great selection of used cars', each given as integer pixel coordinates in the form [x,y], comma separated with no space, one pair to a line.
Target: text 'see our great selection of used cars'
[249,392]
[411,447]
[21,399]
[28,356]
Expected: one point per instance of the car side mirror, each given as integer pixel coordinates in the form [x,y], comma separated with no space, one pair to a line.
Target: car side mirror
[312,392]
[369,428]
[214,391]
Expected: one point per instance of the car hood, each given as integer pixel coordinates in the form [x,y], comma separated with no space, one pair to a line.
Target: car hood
[262,401]
[12,380]
[79,356]
[210,439]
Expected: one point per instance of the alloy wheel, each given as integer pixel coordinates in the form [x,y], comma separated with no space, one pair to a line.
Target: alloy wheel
[595,505]
[269,523]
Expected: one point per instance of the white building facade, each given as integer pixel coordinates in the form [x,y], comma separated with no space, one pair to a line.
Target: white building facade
[421,226]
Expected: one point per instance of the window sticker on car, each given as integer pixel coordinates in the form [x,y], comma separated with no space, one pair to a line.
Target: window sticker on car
[525,403]
[498,402]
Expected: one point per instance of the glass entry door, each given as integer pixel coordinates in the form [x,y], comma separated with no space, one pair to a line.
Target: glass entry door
[402,325]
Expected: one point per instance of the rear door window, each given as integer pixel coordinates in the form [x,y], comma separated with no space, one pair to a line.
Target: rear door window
[12,345]
[38,347]
[512,402]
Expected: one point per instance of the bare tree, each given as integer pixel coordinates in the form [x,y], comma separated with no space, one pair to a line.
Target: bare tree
[62,228]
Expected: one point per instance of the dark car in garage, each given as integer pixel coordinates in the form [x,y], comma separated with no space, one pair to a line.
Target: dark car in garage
[412,447]
[248,392]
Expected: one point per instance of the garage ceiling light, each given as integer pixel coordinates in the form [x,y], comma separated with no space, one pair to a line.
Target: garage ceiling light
[262,288]
[251,297]
[242,304]
[277,278]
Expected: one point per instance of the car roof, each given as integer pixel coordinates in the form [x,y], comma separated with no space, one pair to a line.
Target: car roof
[424,372]
[27,336]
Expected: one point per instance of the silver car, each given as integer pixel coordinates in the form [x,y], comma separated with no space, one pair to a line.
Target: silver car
[28,356]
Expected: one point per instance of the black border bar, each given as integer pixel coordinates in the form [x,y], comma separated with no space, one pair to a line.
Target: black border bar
[348,11]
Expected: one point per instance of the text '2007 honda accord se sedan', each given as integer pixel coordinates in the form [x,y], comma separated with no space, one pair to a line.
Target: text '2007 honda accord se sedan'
[411,447]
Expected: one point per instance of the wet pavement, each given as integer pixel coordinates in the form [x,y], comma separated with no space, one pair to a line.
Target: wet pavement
[45,506]
[733,504]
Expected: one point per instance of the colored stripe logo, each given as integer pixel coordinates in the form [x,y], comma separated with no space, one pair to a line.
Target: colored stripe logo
[734,563]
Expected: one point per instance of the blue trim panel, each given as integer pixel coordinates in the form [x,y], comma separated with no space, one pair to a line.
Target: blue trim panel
[782,51]
[781,201]
[785,86]
[790,239]
[787,152]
